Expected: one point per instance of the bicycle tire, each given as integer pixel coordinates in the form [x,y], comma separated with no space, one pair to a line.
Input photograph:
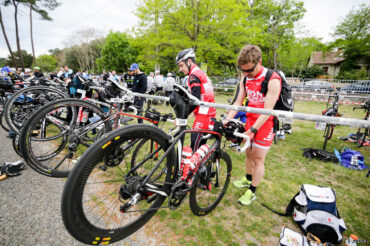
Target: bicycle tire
[11,108]
[87,192]
[15,142]
[199,198]
[361,136]
[57,153]
[3,123]
[327,131]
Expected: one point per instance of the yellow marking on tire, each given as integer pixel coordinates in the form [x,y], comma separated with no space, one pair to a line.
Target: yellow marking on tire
[106,238]
[116,138]
[105,145]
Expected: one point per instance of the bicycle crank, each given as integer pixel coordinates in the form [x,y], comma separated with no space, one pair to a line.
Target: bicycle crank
[178,194]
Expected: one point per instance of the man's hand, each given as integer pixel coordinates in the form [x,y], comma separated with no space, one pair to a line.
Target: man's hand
[249,134]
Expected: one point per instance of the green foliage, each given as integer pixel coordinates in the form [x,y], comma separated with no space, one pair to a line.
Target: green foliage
[295,55]
[3,62]
[47,63]
[27,59]
[117,52]
[217,30]
[312,72]
[353,38]
[358,74]
[71,58]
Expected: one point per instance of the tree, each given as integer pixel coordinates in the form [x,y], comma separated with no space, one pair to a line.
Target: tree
[84,47]
[354,37]
[215,29]
[295,54]
[37,6]
[27,59]
[15,4]
[117,52]
[6,39]
[47,63]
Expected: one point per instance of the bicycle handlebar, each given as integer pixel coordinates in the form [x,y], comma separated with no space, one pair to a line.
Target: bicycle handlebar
[247,141]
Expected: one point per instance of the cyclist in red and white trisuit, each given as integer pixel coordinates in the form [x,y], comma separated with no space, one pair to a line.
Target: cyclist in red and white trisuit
[201,87]
[258,127]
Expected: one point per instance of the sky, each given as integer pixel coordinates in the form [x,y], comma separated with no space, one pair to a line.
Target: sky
[118,15]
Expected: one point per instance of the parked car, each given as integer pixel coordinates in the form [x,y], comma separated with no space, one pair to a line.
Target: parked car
[314,85]
[361,87]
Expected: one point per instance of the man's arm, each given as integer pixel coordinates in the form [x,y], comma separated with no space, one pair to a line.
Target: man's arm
[194,83]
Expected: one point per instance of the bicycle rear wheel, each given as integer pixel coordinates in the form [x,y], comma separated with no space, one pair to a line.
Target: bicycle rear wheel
[51,140]
[3,123]
[97,190]
[25,102]
[204,197]
[361,134]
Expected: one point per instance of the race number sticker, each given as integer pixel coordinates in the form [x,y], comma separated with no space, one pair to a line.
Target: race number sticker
[115,100]
[80,91]
[181,122]
[320,126]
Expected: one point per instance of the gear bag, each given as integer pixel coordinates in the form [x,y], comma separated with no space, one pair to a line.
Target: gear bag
[285,101]
[314,209]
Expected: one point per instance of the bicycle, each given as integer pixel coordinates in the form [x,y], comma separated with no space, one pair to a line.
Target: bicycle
[95,201]
[55,136]
[362,133]
[333,112]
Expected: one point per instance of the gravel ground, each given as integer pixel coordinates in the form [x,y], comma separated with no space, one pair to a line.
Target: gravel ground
[30,208]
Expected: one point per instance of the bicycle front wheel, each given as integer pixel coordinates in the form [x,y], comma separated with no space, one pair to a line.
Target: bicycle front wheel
[103,200]
[210,186]
[52,139]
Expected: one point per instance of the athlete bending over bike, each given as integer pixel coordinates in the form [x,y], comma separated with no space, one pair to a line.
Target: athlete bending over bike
[201,87]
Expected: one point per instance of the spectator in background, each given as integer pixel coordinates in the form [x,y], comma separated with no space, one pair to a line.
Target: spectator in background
[139,85]
[159,81]
[168,85]
[60,73]
[150,82]
[5,70]
[37,72]
[113,76]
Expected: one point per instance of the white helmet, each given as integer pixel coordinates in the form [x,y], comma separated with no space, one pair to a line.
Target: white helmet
[184,55]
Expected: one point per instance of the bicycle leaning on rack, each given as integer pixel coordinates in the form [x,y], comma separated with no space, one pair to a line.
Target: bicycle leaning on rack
[333,112]
[362,133]
[105,205]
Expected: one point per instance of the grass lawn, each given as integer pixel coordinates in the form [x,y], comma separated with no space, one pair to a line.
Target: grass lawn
[285,171]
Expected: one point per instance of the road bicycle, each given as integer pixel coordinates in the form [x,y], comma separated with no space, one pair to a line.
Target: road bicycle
[55,136]
[363,133]
[105,205]
[330,111]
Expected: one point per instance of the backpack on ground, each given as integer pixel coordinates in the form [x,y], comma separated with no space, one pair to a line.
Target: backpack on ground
[314,209]
[351,159]
[319,154]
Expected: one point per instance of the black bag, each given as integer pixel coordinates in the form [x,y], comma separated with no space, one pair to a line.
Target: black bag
[5,84]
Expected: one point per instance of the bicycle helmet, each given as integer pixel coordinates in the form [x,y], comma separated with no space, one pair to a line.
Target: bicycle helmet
[184,55]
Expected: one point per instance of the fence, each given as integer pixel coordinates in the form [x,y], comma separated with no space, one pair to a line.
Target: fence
[353,90]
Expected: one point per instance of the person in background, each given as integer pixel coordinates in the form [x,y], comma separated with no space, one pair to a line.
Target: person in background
[259,127]
[139,85]
[150,82]
[113,76]
[37,72]
[168,85]
[5,70]
[60,73]
[159,81]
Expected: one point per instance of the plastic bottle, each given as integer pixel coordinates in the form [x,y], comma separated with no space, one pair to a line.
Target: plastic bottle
[185,161]
[282,135]
[352,240]
[85,115]
[198,155]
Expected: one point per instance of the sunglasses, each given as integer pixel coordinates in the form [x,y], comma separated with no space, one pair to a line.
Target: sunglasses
[248,70]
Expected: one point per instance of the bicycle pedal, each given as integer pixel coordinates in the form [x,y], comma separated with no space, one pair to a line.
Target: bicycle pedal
[103,168]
